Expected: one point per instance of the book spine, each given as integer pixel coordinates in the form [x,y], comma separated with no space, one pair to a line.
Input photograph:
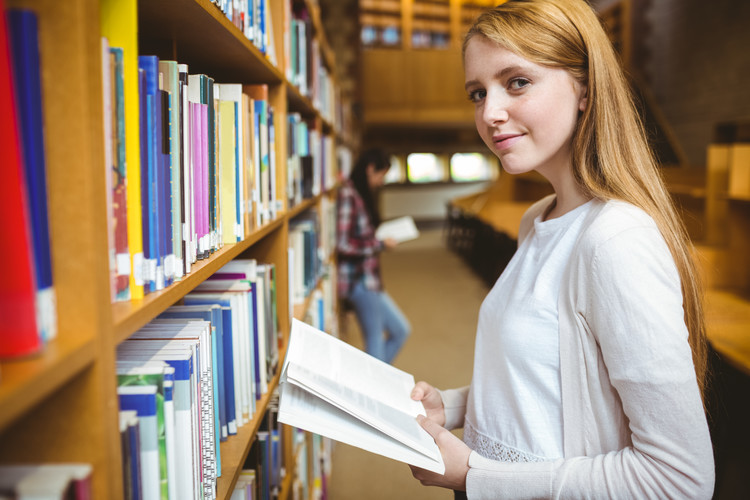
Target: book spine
[119,185]
[119,23]
[18,330]
[24,44]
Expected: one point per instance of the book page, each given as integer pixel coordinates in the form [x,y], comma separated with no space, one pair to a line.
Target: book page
[350,380]
[305,411]
[400,229]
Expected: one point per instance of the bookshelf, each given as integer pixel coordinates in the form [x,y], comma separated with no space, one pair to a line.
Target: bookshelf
[61,405]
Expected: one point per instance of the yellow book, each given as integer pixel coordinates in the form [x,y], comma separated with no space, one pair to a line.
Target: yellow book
[119,23]
[229,97]
[249,164]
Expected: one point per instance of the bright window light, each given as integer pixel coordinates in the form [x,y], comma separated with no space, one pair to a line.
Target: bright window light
[468,167]
[424,167]
[395,174]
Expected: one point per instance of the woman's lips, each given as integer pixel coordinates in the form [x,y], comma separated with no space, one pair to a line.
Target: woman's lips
[504,141]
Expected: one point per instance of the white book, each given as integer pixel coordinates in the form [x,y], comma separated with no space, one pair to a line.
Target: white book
[400,229]
[331,388]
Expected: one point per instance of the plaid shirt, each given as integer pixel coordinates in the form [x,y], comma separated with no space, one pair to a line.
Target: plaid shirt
[356,244]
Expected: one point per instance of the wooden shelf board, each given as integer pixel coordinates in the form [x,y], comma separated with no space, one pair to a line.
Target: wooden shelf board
[26,382]
[198,34]
[132,315]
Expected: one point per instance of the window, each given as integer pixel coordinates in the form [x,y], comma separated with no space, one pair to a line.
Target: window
[468,167]
[395,174]
[424,167]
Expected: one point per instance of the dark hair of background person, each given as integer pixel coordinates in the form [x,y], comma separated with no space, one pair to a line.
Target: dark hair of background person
[381,161]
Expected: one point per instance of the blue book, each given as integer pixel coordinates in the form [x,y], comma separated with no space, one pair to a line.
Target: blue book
[228,357]
[151,171]
[23,33]
[149,253]
[142,399]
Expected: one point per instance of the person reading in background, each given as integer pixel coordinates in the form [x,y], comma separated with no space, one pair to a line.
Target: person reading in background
[590,355]
[383,325]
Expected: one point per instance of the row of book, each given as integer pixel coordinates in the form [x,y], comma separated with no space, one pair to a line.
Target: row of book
[193,376]
[27,292]
[254,19]
[304,67]
[317,451]
[206,176]
[310,160]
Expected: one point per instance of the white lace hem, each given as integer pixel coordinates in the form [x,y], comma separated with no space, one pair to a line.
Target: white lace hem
[495,450]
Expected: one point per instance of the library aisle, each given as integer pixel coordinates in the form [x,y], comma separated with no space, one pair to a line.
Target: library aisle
[441,297]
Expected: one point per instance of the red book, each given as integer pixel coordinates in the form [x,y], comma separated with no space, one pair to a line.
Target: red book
[18,329]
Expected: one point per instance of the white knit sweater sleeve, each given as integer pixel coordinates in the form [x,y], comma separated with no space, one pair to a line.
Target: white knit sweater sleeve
[454,404]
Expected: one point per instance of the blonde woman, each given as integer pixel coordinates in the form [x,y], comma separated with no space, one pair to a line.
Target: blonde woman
[590,354]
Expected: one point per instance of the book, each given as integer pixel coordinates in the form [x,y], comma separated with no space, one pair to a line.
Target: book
[331,388]
[142,399]
[134,372]
[400,229]
[199,335]
[18,330]
[170,75]
[129,450]
[230,134]
[23,33]
[181,356]
[118,174]
[119,23]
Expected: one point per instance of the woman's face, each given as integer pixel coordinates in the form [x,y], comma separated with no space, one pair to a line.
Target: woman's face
[525,113]
[375,178]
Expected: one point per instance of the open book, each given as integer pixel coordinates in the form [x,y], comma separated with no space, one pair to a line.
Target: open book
[336,390]
[400,229]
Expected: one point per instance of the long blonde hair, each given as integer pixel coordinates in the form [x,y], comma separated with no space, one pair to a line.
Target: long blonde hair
[611,156]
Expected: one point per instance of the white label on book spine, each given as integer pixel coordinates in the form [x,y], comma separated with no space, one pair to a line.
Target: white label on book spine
[178,268]
[122,261]
[159,277]
[150,269]
[169,266]
[138,268]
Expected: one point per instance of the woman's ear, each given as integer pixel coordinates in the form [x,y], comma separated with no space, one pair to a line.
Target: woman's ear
[583,100]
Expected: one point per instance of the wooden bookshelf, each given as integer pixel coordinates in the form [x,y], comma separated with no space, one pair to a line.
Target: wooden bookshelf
[61,405]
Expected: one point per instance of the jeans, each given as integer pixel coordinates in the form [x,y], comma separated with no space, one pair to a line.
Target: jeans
[377,315]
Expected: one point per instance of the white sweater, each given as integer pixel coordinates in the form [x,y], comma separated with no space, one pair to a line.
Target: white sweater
[633,421]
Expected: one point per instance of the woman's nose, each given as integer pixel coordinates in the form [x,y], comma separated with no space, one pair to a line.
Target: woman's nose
[495,109]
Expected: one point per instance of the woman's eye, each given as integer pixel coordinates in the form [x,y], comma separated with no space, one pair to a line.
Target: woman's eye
[518,83]
[477,95]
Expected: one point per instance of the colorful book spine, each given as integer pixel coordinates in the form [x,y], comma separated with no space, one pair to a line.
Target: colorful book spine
[24,45]
[18,330]
[119,180]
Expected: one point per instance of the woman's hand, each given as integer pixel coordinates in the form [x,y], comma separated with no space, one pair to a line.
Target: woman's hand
[390,243]
[455,456]
[431,400]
